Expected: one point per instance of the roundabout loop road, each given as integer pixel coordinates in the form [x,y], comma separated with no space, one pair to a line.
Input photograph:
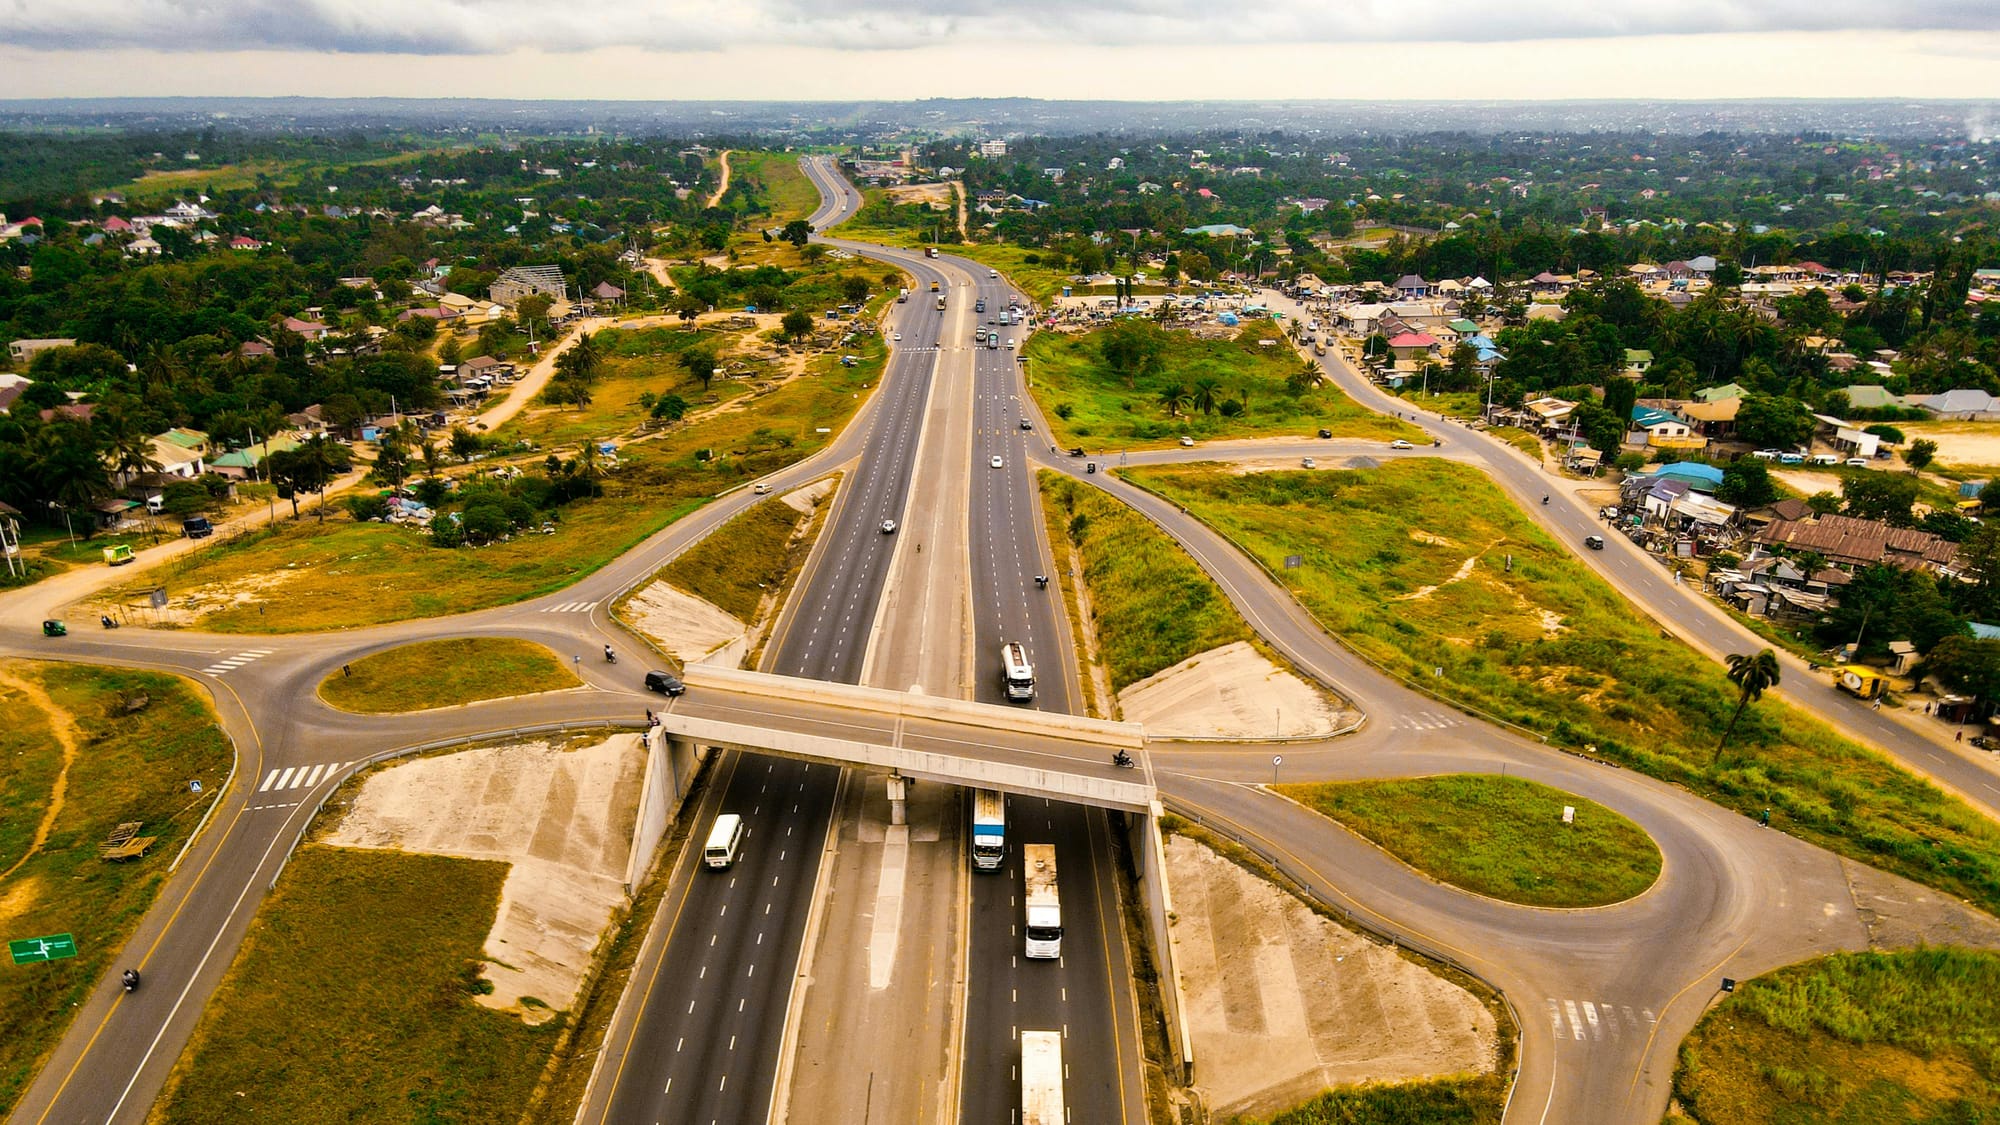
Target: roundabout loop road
[1603,996]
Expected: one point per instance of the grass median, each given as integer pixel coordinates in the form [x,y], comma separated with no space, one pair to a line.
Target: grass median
[1426,568]
[734,568]
[304,576]
[1089,403]
[1856,1037]
[1152,605]
[445,673]
[83,750]
[351,1002]
[1501,837]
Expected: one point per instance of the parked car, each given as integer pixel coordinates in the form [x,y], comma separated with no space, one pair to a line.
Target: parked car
[1768,454]
[1857,462]
[1399,443]
[197,527]
[1826,459]
[1791,458]
[666,683]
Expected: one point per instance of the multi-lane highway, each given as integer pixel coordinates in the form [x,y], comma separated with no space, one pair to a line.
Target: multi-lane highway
[1732,898]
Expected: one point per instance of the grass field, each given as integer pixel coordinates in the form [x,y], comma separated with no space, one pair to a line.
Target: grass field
[1069,373]
[1496,836]
[1469,1100]
[735,566]
[1520,439]
[304,576]
[1153,606]
[1408,565]
[776,181]
[636,361]
[1022,265]
[350,1002]
[1852,1038]
[127,766]
[445,674]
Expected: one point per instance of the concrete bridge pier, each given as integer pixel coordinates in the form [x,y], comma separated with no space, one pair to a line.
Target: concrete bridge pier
[670,767]
[899,791]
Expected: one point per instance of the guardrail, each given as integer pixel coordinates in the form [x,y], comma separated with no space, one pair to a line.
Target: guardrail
[897,704]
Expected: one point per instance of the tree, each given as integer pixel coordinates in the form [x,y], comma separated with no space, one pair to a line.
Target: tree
[1823,503]
[1620,395]
[1303,378]
[1135,349]
[1207,393]
[1880,496]
[687,306]
[464,444]
[1175,396]
[796,325]
[797,232]
[700,362]
[670,408]
[1967,664]
[1746,482]
[1920,453]
[1886,432]
[1886,603]
[1752,675]
[855,288]
[1773,421]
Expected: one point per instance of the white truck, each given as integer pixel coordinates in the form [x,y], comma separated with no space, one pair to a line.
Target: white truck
[1044,941]
[903,296]
[1042,1078]
[930,251]
[989,829]
[1017,676]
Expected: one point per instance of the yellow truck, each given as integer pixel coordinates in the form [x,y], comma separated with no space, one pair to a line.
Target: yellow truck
[1861,683]
[118,555]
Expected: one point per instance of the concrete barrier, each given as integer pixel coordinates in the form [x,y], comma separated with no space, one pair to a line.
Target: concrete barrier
[898,704]
[955,769]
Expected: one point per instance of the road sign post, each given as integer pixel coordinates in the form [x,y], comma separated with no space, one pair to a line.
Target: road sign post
[55,947]
[1276,761]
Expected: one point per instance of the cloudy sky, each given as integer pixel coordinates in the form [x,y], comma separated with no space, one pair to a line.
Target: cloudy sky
[1048,48]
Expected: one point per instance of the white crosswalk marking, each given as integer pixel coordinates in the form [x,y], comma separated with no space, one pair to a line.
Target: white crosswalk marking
[298,777]
[1428,720]
[237,661]
[1594,1021]
[570,607]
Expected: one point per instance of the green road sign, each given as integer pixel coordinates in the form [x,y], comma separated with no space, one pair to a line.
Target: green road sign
[52,948]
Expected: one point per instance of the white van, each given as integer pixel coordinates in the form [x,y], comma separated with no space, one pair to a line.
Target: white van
[723,841]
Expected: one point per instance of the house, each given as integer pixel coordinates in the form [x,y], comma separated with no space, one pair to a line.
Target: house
[605,291]
[1662,430]
[311,421]
[1719,394]
[1700,477]
[1849,542]
[1412,287]
[180,453]
[1712,419]
[23,352]
[242,464]
[1412,346]
[1637,361]
[1702,266]
[309,330]
[517,282]
[11,387]
[1963,405]
[1870,396]
[245,242]
[1548,412]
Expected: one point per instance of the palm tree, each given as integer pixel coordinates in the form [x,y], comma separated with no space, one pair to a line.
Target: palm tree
[587,356]
[1752,675]
[1207,392]
[1175,397]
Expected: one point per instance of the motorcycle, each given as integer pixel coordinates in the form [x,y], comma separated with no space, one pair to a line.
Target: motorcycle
[1545,501]
[106,621]
[1121,758]
[131,980]
[610,657]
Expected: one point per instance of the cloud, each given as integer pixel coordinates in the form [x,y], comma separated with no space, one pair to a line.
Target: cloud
[484,27]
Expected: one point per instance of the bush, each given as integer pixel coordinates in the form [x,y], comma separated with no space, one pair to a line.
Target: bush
[365,508]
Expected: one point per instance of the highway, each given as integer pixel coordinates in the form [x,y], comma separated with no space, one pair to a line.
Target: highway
[1604,996]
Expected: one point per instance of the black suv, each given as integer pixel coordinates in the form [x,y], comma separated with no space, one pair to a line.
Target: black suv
[665,683]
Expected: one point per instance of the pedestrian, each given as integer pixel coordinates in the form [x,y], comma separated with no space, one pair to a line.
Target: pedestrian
[346,670]
[1764,821]
[1960,738]
[1875,706]
[649,716]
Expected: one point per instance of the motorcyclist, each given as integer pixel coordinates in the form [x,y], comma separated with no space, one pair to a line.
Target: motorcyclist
[131,979]
[610,656]
[1545,500]
[1121,758]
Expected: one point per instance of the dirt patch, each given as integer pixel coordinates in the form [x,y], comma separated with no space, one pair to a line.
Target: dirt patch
[1807,483]
[189,607]
[921,193]
[1283,1003]
[681,623]
[1901,914]
[803,500]
[66,733]
[1228,692]
[1429,539]
[563,818]
[1959,443]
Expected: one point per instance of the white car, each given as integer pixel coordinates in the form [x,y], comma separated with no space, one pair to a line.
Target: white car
[1187,441]
[896,336]
[1399,443]
[1010,341]
[992,273]
[997,462]
[888,527]
[1857,462]
[1307,463]
[762,489]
